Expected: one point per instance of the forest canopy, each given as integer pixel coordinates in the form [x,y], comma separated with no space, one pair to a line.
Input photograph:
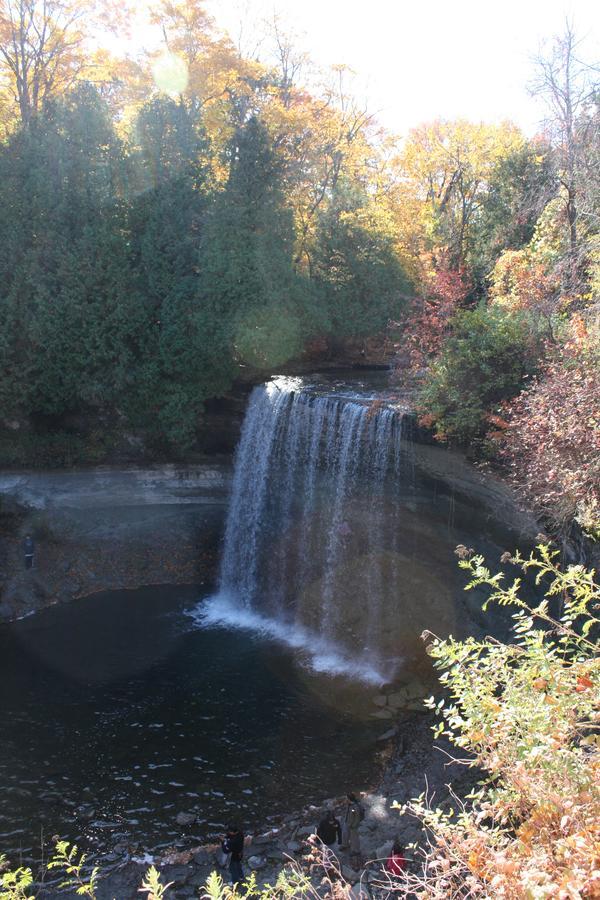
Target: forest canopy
[172,217]
[169,219]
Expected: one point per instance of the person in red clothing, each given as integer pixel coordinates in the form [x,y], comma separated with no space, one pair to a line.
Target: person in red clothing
[395,864]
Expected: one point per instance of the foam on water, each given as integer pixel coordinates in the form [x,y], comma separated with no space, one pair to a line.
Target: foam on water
[312,541]
[321,655]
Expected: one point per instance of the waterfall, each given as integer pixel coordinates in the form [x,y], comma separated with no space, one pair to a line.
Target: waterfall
[312,543]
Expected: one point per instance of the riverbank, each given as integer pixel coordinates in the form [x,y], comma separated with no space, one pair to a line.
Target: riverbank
[411,762]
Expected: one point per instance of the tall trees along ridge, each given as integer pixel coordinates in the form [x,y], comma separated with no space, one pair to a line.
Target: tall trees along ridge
[233,214]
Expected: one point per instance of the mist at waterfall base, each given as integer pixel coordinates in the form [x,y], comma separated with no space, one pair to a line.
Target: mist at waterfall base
[123,709]
[119,713]
[314,550]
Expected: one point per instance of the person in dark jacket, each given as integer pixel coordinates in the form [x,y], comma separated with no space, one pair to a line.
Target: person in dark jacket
[28,551]
[329,829]
[233,843]
[353,816]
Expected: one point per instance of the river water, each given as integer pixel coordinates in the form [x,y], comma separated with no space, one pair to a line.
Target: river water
[119,713]
[250,700]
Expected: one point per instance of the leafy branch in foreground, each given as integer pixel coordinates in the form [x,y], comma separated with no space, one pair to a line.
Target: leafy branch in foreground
[528,715]
[66,859]
[292,883]
[152,885]
[14,883]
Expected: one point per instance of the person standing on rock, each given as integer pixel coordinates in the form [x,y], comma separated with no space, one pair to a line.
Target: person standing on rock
[329,829]
[395,864]
[233,843]
[353,816]
[28,551]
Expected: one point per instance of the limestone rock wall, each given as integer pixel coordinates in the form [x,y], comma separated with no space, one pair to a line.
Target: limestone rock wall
[107,528]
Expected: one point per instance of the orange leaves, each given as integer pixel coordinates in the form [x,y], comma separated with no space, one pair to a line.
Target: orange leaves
[444,291]
[551,441]
[498,421]
[476,862]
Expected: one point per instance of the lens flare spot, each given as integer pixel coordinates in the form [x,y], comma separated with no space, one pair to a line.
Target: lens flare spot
[170,73]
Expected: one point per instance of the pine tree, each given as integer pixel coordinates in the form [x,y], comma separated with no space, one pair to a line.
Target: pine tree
[248,281]
[66,297]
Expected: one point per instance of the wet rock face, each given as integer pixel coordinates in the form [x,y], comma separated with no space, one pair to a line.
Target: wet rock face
[103,529]
[114,528]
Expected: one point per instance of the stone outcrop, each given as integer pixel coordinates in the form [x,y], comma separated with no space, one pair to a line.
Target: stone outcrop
[413,763]
[105,528]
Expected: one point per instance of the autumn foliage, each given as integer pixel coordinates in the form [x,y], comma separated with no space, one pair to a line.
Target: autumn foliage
[527,714]
[443,292]
[551,441]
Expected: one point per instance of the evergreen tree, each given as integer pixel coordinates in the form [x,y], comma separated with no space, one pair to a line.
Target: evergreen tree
[248,282]
[67,304]
[356,268]
[182,359]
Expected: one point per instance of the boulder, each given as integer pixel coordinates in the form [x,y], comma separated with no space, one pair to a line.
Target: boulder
[176,874]
[267,838]
[415,690]
[204,857]
[350,874]
[416,706]
[380,700]
[257,862]
[185,818]
[383,714]
[398,699]
[388,735]
[384,850]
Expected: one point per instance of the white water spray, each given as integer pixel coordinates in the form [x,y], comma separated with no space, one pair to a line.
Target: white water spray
[312,543]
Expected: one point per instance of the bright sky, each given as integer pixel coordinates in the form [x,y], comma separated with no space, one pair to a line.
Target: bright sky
[424,59]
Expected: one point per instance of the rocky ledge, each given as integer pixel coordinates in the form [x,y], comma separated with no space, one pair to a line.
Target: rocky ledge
[108,529]
[413,763]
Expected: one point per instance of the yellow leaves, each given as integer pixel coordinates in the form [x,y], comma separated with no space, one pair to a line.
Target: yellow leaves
[526,833]
[436,150]
[442,172]
[477,862]
[45,52]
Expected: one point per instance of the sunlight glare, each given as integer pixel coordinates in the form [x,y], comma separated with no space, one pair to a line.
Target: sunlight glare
[170,73]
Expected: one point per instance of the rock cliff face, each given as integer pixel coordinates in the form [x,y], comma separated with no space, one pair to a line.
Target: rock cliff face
[102,529]
[117,527]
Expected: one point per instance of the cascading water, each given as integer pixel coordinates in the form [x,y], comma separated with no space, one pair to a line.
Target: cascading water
[312,543]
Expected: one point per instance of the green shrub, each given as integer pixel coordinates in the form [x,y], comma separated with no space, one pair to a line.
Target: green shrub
[482,363]
[527,714]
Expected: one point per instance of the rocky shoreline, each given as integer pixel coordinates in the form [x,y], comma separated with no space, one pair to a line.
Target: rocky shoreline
[411,762]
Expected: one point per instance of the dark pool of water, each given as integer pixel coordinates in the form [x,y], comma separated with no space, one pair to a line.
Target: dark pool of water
[118,712]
